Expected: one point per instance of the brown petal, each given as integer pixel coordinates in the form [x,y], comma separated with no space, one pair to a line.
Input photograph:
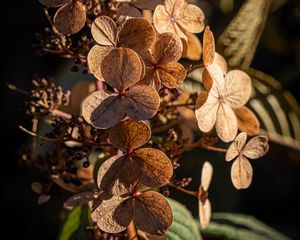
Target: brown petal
[121,68]
[226,124]
[54,3]
[191,19]
[168,48]
[256,147]
[238,88]
[206,175]
[95,58]
[207,79]
[208,47]
[91,103]
[204,213]
[109,113]
[129,134]
[116,175]
[126,12]
[241,173]
[142,102]
[146,4]
[206,115]
[104,31]
[194,47]
[151,237]
[247,121]
[201,99]
[236,146]
[152,213]
[153,167]
[112,213]
[78,199]
[172,74]
[70,18]
[137,34]
[151,78]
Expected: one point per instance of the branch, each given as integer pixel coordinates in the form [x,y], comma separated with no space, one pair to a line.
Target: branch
[192,193]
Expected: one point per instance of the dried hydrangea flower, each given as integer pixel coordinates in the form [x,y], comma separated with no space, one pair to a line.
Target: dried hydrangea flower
[149,211]
[204,203]
[161,63]
[70,17]
[241,169]
[122,69]
[150,166]
[132,8]
[214,67]
[215,107]
[178,17]
[192,47]
[136,33]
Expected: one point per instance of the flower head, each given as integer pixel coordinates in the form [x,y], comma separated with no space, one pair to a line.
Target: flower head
[161,63]
[122,69]
[241,169]
[176,16]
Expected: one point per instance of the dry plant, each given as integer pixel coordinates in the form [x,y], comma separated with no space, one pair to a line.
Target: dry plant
[133,118]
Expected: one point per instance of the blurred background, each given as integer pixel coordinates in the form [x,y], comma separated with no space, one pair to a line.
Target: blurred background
[274,196]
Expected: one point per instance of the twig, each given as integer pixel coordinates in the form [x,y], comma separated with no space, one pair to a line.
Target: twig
[192,193]
[15,88]
[195,68]
[131,231]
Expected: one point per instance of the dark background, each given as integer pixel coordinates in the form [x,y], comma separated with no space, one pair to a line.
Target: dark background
[274,194]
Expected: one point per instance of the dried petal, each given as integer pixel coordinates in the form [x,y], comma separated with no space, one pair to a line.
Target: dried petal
[241,173]
[151,78]
[129,134]
[78,199]
[95,58]
[172,74]
[236,146]
[137,34]
[121,68]
[54,3]
[70,18]
[37,187]
[207,79]
[142,102]
[206,175]
[152,213]
[109,113]
[208,47]
[238,88]
[43,198]
[116,175]
[126,12]
[226,124]
[221,62]
[153,167]
[247,121]
[194,47]
[206,115]
[201,99]
[168,48]
[256,147]
[191,19]
[104,31]
[91,103]
[112,213]
[216,79]
[204,213]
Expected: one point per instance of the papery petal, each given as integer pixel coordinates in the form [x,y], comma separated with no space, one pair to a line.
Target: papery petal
[236,146]
[247,121]
[172,74]
[191,19]
[256,147]
[104,31]
[226,124]
[204,213]
[206,175]
[241,173]
[126,12]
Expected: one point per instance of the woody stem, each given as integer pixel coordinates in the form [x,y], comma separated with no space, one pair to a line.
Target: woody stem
[131,232]
[194,68]
[192,193]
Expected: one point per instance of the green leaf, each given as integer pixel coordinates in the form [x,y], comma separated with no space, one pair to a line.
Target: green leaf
[184,227]
[75,226]
[240,227]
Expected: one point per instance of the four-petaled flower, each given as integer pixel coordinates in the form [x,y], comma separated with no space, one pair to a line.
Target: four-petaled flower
[122,68]
[161,63]
[241,169]
[178,17]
